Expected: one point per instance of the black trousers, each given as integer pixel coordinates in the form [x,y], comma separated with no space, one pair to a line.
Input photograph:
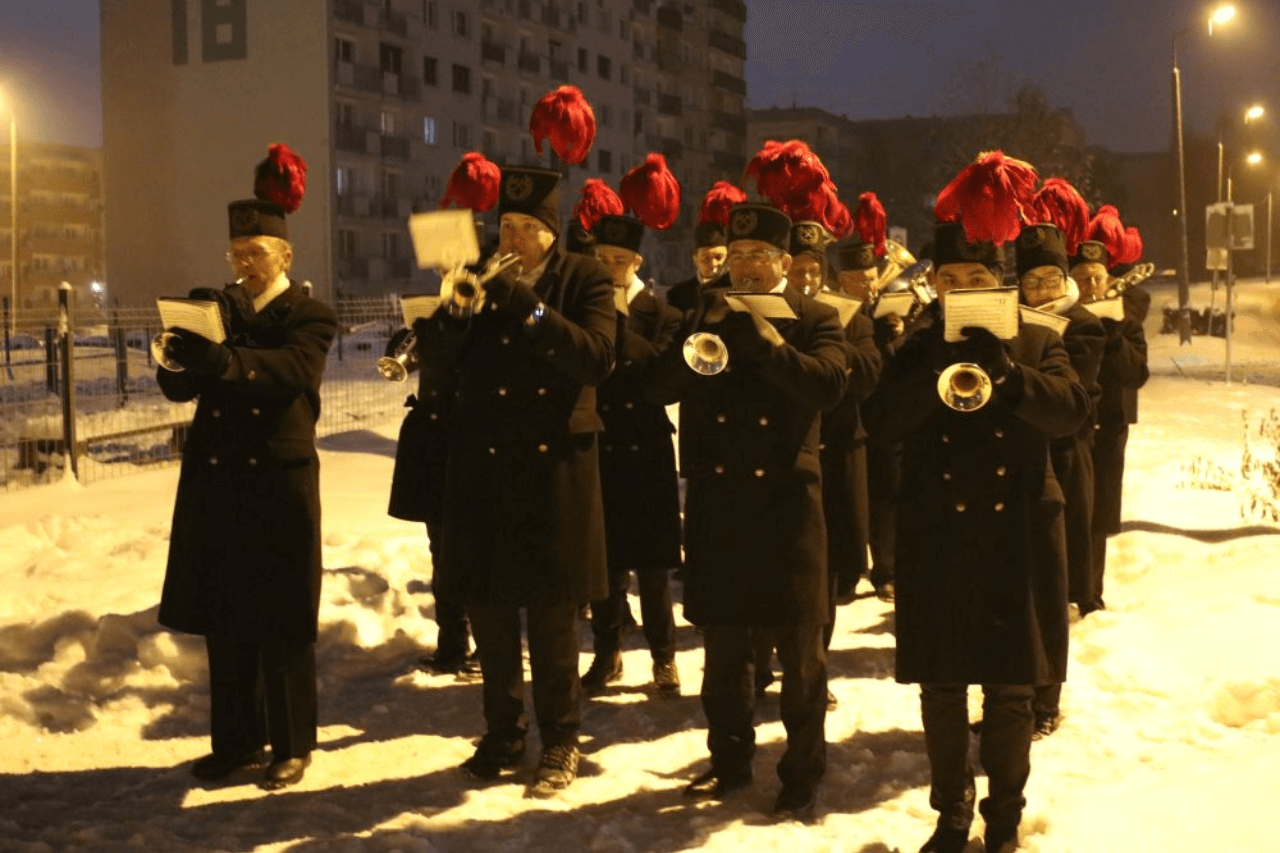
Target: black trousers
[729,699]
[656,615]
[884,465]
[453,632]
[553,664]
[262,692]
[1005,752]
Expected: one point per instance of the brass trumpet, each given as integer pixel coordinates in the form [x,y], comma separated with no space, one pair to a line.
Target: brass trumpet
[160,351]
[897,259]
[706,353]
[403,361]
[965,387]
[1133,277]
[464,290]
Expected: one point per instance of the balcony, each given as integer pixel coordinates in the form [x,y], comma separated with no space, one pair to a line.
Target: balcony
[506,109]
[559,70]
[347,205]
[491,52]
[733,164]
[370,15]
[642,7]
[399,267]
[384,206]
[727,43]
[353,268]
[348,138]
[395,146]
[669,16]
[672,148]
[399,86]
[729,83]
[529,62]
[669,104]
[733,8]
[737,125]
[642,96]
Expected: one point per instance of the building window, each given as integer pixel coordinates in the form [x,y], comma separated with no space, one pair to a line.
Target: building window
[603,112]
[430,68]
[389,57]
[429,14]
[624,74]
[390,245]
[555,49]
[582,60]
[387,123]
[460,23]
[582,12]
[624,28]
[462,79]
[490,144]
[604,66]
[343,50]
[461,135]
[346,115]
[391,184]
[346,243]
[604,160]
[342,180]
[429,130]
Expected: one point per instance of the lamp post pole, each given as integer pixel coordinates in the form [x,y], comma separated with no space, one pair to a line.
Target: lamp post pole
[1184,271]
[13,222]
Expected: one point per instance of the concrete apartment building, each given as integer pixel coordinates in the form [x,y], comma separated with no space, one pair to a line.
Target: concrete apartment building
[382,99]
[59,226]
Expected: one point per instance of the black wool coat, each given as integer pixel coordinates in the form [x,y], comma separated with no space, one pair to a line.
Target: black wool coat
[842,452]
[244,552]
[755,537]
[981,582]
[417,480]
[1124,371]
[687,295]
[637,453]
[523,521]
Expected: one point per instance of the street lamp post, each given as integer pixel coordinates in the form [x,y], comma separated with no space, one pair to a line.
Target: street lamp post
[13,218]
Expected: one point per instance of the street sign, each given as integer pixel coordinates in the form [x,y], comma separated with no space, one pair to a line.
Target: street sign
[1215,231]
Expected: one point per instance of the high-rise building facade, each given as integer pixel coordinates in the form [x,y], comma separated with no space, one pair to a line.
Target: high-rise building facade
[382,99]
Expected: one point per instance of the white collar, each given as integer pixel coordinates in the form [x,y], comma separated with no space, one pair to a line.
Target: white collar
[531,277]
[1063,303]
[277,287]
[782,285]
[634,288]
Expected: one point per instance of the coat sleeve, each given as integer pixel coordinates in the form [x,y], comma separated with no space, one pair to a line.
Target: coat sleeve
[1052,399]
[908,390]
[1084,341]
[582,349]
[1124,360]
[296,365]
[813,369]
[864,360]
[641,349]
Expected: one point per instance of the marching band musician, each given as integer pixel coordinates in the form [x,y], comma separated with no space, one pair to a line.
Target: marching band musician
[523,525]
[755,542]
[1042,252]
[981,576]
[244,554]
[637,470]
[709,247]
[1110,250]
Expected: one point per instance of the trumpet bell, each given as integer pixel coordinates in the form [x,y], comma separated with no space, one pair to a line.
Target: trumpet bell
[394,368]
[965,387]
[705,353]
[160,352]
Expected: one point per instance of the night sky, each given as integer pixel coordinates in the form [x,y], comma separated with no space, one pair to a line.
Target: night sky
[1108,60]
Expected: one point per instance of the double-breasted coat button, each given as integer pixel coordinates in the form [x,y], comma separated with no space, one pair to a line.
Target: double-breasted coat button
[720,419]
[542,448]
[999,507]
[217,413]
[719,469]
[635,447]
[253,374]
[506,339]
[542,392]
[551,352]
[626,363]
[1000,471]
[630,405]
[604,407]
[960,507]
[946,475]
[253,461]
[213,460]
[435,416]
[764,422]
[759,472]
[822,447]
[946,439]
[493,451]
[999,432]
[255,411]
[502,392]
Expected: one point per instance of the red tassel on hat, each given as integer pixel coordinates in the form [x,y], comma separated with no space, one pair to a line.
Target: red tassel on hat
[473,183]
[597,199]
[281,178]
[1132,251]
[836,216]
[1060,204]
[871,221]
[1107,229]
[652,193]
[989,197]
[787,173]
[565,117]
[716,203]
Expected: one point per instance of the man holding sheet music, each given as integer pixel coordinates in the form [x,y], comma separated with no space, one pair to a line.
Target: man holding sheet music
[755,539]
[244,555]
[522,524]
[980,568]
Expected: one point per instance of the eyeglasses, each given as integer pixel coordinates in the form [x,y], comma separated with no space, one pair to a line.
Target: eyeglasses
[248,256]
[757,256]
[1048,282]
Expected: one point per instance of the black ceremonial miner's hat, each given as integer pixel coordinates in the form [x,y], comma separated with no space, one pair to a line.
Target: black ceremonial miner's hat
[760,222]
[950,246]
[623,232]
[1041,246]
[532,191]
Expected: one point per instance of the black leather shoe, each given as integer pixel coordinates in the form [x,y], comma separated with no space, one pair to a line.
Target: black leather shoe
[605,669]
[885,591]
[1046,726]
[1001,839]
[764,677]
[796,801]
[947,839]
[451,663]
[283,773]
[220,765]
[493,755]
[832,701]
[666,677]
[717,784]
[557,768]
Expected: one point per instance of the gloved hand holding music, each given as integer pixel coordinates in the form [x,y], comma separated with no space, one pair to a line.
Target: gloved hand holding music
[984,349]
[196,353]
[741,338]
[511,296]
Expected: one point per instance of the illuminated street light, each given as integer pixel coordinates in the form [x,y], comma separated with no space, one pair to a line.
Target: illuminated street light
[1221,15]
[1254,112]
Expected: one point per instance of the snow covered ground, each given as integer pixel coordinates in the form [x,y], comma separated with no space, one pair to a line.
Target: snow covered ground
[1170,741]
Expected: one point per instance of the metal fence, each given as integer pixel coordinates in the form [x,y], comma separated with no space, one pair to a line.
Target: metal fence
[104,406]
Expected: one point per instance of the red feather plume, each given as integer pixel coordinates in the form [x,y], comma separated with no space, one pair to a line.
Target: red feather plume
[1133,248]
[1058,203]
[871,221]
[564,117]
[836,217]
[597,199]
[989,198]
[473,183]
[652,193]
[1107,229]
[787,173]
[717,202]
[281,178]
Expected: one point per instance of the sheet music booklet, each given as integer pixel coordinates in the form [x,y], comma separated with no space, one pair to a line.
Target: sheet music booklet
[846,306]
[444,238]
[1034,317]
[994,309]
[1107,309]
[762,307]
[898,302]
[202,316]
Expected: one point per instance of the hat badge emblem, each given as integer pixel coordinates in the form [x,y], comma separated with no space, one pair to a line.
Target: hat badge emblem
[613,231]
[807,234]
[1033,237]
[965,249]
[744,222]
[244,219]
[1092,252]
[519,187]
